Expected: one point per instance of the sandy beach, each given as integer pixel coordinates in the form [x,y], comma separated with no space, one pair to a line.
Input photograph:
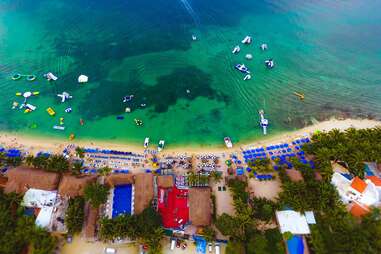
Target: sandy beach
[35,144]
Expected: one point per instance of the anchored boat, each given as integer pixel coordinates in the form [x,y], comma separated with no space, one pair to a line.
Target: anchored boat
[247,40]
[228,142]
[242,68]
[146,142]
[236,50]
[160,147]
[264,122]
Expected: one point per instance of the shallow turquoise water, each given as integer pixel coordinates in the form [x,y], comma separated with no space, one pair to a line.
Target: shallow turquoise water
[328,50]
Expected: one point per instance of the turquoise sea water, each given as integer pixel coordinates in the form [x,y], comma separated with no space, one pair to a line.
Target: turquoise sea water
[330,50]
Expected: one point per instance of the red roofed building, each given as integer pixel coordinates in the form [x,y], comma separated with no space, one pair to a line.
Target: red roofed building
[358,184]
[358,210]
[375,179]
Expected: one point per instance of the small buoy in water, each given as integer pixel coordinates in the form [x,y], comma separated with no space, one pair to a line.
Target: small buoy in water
[249,56]
[127,110]
[81,122]
[194,38]
[71,137]
[188,91]
[300,95]
[62,121]
[83,79]
[16,76]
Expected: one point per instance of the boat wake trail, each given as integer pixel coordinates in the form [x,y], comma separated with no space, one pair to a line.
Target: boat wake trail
[191,12]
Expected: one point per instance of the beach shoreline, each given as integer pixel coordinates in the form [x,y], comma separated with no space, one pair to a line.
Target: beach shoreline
[39,143]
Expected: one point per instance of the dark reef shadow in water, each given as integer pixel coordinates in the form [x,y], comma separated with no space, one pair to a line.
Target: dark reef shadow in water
[183,83]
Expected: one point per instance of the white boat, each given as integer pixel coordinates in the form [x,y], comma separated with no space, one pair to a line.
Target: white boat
[30,107]
[160,147]
[146,142]
[64,96]
[236,49]
[269,63]
[264,46]
[50,76]
[264,122]
[247,40]
[228,142]
[57,127]
[249,56]
[194,38]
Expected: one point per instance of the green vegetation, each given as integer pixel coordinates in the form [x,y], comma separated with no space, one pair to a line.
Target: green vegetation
[144,227]
[9,161]
[353,147]
[104,171]
[261,165]
[53,163]
[80,152]
[209,234]
[216,176]
[336,230]
[75,215]
[19,231]
[241,228]
[263,209]
[197,179]
[96,194]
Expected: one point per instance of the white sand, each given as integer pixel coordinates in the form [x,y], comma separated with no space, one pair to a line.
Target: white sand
[54,144]
[264,189]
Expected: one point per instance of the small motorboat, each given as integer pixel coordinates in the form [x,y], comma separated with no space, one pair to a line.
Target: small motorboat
[64,96]
[194,38]
[128,98]
[249,56]
[242,68]
[160,147]
[247,77]
[228,142]
[50,76]
[68,110]
[247,40]
[269,63]
[236,50]
[263,46]
[146,142]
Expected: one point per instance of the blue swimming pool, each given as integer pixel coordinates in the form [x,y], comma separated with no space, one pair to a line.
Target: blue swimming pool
[295,245]
[122,200]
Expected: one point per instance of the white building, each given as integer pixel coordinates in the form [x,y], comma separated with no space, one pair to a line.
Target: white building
[365,192]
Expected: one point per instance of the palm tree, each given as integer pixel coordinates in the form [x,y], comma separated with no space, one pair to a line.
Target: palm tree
[80,152]
[104,171]
[77,167]
[29,160]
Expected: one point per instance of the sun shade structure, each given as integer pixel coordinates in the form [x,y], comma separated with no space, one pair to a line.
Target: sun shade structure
[292,221]
[73,186]
[143,191]
[200,207]
[23,178]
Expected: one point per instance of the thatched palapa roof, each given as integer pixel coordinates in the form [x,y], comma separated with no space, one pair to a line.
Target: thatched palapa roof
[120,179]
[73,186]
[165,181]
[200,207]
[143,191]
[91,218]
[23,178]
